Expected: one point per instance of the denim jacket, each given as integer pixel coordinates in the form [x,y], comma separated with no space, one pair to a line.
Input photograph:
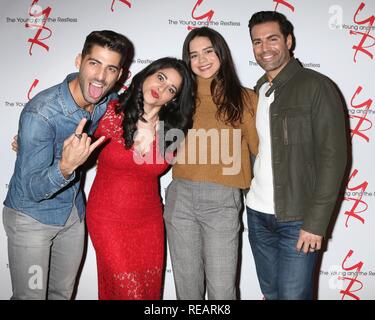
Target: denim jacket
[37,187]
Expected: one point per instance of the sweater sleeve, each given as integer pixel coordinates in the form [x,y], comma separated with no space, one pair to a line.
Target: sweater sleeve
[248,123]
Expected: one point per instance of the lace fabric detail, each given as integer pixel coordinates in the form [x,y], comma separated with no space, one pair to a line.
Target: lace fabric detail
[111,124]
[133,285]
[124,222]
[111,127]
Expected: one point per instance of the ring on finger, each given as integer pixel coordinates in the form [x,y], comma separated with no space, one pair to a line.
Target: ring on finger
[78,136]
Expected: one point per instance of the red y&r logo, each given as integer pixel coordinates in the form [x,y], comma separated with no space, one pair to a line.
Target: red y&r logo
[38,21]
[358,191]
[349,291]
[284,3]
[357,131]
[123,1]
[368,24]
[34,84]
[209,14]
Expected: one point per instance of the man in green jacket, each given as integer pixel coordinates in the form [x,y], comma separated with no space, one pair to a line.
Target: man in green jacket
[301,162]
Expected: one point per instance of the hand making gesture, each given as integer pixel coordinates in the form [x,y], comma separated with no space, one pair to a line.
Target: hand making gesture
[76,149]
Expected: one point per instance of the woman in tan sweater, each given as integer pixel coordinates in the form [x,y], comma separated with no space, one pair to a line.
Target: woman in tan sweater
[204,200]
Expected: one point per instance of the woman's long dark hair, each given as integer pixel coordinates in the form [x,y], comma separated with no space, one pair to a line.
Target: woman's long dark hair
[226,89]
[176,114]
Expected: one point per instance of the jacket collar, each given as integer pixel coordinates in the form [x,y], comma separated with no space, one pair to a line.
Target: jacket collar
[292,67]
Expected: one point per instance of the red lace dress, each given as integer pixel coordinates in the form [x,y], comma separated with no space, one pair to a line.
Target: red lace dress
[124,217]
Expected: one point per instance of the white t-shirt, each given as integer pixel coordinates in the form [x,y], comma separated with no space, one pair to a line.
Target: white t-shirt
[260,195]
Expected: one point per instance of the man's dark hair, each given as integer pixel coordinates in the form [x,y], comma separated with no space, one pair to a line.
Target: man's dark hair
[285,25]
[108,39]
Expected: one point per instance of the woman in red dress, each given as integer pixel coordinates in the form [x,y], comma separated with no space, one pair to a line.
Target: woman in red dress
[124,210]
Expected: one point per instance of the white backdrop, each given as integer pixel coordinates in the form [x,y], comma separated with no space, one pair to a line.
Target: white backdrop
[41,38]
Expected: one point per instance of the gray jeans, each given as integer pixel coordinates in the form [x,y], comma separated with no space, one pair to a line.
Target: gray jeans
[202,222]
[43,259]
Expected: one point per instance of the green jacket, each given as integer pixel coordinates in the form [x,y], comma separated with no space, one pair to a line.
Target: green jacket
[309,146]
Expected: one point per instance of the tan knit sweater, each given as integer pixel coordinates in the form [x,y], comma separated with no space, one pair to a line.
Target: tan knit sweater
[222,165]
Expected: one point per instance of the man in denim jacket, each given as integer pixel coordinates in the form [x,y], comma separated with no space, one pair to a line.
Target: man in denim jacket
[44,208]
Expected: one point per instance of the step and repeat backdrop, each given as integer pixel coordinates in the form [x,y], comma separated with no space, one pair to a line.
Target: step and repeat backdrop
[41,38]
